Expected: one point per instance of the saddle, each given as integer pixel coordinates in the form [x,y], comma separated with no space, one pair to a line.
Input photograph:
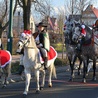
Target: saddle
[87,42]
[5,58]
[52,54]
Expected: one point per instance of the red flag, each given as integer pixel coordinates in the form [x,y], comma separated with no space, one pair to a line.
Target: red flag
[50,22]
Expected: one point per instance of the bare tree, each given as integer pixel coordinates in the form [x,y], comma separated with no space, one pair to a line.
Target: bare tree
[76,6]
[43,7]
[4,4]
[81,5]
[26,6]
[69,6]
[61,19]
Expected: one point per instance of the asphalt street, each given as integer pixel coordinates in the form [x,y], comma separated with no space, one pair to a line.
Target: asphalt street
[62,88]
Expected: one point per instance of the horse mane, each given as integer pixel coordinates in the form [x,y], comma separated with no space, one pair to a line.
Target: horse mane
[32,42]
[88,29]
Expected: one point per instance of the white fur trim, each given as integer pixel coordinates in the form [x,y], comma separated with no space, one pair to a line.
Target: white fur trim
[83,26]
[23,34]
[28,35]
[41,45]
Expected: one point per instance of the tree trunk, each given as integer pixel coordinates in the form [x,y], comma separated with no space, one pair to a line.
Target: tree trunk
[0,33]
[26,14]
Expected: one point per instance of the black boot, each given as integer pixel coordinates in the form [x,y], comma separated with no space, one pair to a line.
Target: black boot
[45,62]
[21,69]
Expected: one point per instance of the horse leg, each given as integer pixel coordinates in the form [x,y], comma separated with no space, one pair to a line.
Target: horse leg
[27,82]
[72,62]
[50,75]
[94,70]
[5,81]
[37,81]
[87,67]
[43,79]
[52,71]
[79,69]
[6,72]
[84,70]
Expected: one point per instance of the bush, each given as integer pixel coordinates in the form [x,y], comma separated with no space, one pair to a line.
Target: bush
[59,47]
[59,62]
[15,67]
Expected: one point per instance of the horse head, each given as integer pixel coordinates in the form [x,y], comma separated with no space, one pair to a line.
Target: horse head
[78,34]
[69,27]
[25,41]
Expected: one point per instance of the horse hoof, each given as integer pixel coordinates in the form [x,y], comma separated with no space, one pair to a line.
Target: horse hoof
[70,80]
[24,96]
[41,88]
[37,91]
[84,81]
[50,85]
[4,86]
[86,74]
[79,73]
[94,79]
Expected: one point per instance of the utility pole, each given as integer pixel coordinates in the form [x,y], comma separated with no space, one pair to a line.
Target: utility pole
[10,34]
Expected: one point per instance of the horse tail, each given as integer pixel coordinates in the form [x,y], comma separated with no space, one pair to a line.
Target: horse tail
[54,71]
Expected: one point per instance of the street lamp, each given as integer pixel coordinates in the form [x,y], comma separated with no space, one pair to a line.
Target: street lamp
[10,34]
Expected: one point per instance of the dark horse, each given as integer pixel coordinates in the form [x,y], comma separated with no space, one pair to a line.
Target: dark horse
[70,47]
[89,49]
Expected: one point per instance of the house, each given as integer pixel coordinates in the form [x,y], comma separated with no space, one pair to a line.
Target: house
[90,14]
[76,17]
[52,24]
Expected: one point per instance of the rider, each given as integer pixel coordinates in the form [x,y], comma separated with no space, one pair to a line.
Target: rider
[42,41]
[83,35]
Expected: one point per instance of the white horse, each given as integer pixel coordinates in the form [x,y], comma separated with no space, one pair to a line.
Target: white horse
[32,62]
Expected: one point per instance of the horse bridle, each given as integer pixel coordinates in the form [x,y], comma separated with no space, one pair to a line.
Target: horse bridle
[26,43]
[23,42]
[80,32]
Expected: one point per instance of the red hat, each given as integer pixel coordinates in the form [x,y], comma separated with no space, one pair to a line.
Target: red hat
[83,32]
[27,32]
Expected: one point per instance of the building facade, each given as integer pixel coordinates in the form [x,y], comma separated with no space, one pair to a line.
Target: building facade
[90,14]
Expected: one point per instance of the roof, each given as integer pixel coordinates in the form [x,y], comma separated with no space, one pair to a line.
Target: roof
[91,9]
[95,10]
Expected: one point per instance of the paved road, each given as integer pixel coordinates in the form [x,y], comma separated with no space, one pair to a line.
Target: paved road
[61,88]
